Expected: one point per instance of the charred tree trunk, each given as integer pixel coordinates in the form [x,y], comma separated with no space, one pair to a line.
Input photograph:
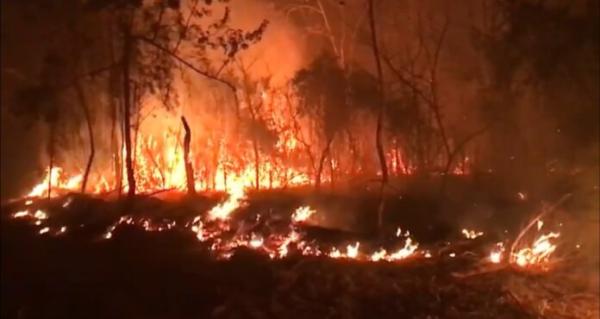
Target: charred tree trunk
[127,113]
[189,170]
[88,120]
[51,156]
[380,115]
[115,146]
[112,85]
[324,155]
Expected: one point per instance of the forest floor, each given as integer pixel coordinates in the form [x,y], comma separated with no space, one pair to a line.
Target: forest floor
[170,274]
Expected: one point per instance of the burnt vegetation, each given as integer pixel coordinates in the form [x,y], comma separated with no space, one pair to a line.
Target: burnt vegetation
[300,159]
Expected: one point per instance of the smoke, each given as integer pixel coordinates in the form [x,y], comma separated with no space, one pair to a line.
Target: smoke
[282,50]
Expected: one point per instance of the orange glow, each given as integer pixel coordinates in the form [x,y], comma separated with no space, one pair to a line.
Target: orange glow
[538,253]
[302,214]
[497,253]
[471,234]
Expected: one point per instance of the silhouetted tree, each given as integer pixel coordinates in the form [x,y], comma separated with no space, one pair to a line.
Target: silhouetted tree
[322,87]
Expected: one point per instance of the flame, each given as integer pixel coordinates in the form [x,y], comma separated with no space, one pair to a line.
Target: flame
[302,214]
[256,241]
[223,210]
[379,255]
[275,245]
[51,176]
[539,252]
[225,158]
[335,253]
[352,250]
[404,252]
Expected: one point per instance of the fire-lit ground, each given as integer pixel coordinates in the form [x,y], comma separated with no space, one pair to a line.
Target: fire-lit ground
[279,254]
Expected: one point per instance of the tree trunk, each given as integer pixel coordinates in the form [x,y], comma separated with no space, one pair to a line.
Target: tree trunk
[331,172]
[127,114]
[112,85]
[189,170]
[116,146]
[380,115]
[353,151]
[88,120]
[51,157]
[256,163]
[324,155]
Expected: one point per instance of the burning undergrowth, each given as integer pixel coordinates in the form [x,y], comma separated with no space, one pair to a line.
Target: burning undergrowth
[282,226]
[265,230]
[281,259]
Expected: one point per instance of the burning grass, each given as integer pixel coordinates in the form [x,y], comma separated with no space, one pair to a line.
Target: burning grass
[312,270]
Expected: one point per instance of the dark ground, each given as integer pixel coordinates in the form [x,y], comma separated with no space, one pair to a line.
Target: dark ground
[170,274]
[166,275]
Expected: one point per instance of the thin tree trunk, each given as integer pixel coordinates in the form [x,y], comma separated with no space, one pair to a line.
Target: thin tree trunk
[324,155]
[127,114]
[353,151]
[51,157]
[114,104]
[380,115]
[189,170]
[116,146]
[256,163]
[331,172]
[88,120]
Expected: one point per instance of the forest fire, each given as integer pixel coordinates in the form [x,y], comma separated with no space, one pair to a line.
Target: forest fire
[216,224]
[300,159]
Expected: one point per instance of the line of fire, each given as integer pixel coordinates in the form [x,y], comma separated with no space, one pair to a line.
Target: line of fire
[300,159]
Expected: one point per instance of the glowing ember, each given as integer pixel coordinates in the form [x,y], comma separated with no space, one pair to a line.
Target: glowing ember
[67,202]
[471,234]
[302,214]
[21,214]
[379,255]
[44,230]
[256,241]
[399,233]
[352,251]
[335,253]
[497,253]
[39,214]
